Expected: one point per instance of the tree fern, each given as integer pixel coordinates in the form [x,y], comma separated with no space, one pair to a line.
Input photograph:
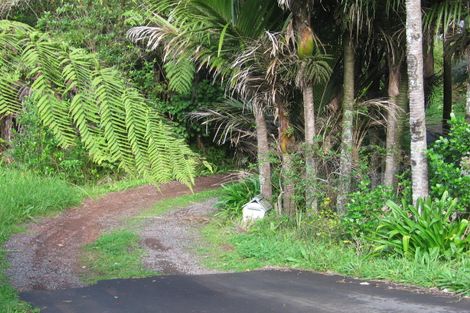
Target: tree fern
[180,74]
[76,97]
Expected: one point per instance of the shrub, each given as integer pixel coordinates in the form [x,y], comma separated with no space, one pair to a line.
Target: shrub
[234,196]
[34,149]
[364,209]
[449,162]
[435,231]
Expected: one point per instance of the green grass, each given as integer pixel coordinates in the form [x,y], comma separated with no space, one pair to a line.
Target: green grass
[265,245]
[22,197]
[166,205]
[114,255]
[96,191]
[118,254]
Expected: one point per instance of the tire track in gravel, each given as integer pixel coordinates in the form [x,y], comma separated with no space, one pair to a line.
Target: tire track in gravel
[47,255]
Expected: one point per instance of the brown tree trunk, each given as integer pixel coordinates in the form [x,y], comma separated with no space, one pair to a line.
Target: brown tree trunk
[414,37]
[392,146]
[375,159]
[428,51]
[447,78]
[286,143]
[467,106]
[347,129]
[6,126]
[263,155]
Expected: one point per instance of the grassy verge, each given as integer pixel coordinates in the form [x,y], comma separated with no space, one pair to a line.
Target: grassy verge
[96,191]
[117,254]
[266,245]
[22,197]
[114,255]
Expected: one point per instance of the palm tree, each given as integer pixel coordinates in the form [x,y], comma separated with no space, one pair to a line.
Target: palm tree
[414,40]
[301,11]
[392,30]
[264,73]
[356,17]
[212,33]
[445,18]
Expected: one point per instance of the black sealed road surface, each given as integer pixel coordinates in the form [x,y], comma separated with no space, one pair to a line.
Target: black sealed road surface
[250,292]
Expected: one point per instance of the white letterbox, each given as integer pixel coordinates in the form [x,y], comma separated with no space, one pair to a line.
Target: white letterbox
[255,209]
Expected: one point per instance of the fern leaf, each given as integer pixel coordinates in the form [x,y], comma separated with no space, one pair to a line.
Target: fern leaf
[180,74]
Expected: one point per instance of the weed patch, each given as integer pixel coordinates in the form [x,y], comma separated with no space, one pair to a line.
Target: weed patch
[114,255]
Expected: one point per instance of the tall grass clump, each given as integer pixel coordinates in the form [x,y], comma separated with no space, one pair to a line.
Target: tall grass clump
[235,195]
[23,196]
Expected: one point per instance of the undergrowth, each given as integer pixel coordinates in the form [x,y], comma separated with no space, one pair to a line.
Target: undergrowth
[275,242]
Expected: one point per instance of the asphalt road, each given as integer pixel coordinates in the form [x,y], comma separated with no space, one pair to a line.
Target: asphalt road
[250,292]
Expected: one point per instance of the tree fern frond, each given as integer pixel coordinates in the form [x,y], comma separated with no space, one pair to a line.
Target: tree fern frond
[160,163]
[75,97]
[78,75]
[136,128]
[9,97]
[108,98]
[180,74]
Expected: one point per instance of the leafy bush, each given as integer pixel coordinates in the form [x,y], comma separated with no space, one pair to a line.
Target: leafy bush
[234,196]
[364,209]
[449,162]
[434,231]
[34,149]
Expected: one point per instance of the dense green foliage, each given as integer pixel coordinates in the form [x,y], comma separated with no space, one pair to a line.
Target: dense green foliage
[75,95]
[432,227]
[449,161]
[364,210]
[35,149]
[101,28]
[234,196]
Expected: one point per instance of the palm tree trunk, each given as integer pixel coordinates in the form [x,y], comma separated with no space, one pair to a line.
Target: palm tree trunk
[303,30]
[467,106]
[428,58]
[285,141]
[263,155]
[414,37]
[447,78]
[347,131]
[392,147]
[6,126]
[310,166]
